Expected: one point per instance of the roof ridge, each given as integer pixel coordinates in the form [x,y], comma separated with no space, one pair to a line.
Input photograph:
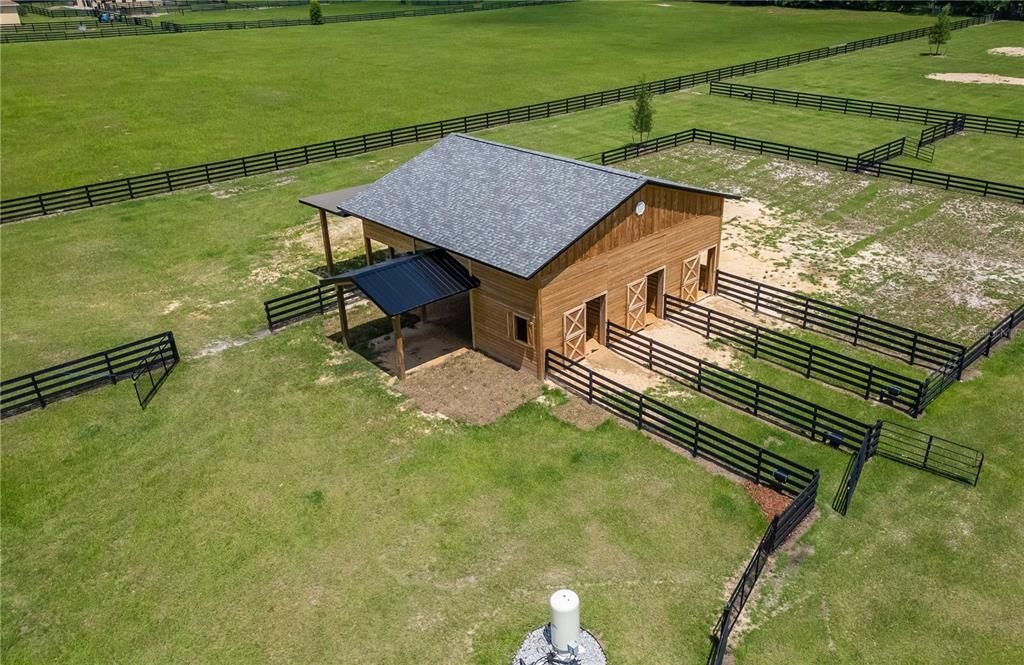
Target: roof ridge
[559,158]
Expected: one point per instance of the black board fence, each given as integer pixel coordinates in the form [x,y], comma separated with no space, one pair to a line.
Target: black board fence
[150,184]
[778,531]
[867,107]
[949,181]
[147,360]
[947,360]
[851,477]
[911,346]
[460,8]
[873,156]
[812,361]
[303,303]
[929,452]
[758,399]
[732,453]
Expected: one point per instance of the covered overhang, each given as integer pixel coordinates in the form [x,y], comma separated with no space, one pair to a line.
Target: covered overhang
[405,283]
[328,203]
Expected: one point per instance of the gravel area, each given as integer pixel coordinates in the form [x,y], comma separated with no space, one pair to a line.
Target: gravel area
[537,646]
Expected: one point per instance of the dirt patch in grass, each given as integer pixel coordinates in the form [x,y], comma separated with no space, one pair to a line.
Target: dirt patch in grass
[742,255]
[973,77]
[617,368]
[1012,51]
[470,388]
[578,413]
[690,342]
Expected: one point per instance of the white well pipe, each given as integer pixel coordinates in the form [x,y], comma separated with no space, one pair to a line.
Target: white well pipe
[565,619]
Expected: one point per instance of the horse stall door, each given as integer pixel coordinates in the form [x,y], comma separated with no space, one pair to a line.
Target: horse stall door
[574,333]
[691,279]
[636,304]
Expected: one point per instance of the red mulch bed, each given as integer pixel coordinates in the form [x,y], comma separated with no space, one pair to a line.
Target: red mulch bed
[771,502]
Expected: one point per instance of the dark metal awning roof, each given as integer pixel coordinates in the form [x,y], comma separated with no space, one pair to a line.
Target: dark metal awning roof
[407,282]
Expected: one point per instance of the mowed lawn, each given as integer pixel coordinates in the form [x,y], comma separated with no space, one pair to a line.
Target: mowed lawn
[189,98]
[922,569]
[278,504]
[292,12]
[201,261]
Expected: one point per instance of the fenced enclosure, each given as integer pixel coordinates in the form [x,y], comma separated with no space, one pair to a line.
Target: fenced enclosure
[758,399]
[909,174]
[813,361]
[778,531]
[882,153]
[931,453]
[454,8]
[146,362]
[732,453]
[872,109]
[911,346]
[303,303]
[132,187]
[844,495]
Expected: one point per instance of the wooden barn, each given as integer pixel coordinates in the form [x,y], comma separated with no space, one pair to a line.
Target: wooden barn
[547,248]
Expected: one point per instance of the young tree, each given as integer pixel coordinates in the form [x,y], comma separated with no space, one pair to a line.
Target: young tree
[642,113]
[316,15]
[939,33]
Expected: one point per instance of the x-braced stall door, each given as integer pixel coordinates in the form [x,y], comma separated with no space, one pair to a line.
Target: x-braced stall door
[636,304]
[691,278]
[574,328]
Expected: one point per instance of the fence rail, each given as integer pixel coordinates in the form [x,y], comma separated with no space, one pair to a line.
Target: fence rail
[898,112]
[911,346]
[303,303]
[909,174]
[122,189]
[940,131]
[778,531]
[931,453]
[737,455]
[758,399]
[882,153]
[844,494]
[348,18]
[41,388]
[811,360]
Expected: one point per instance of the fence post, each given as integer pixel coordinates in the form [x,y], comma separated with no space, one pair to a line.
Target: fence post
[870,379]
[928,451]
[810,361]
[110,368]
[757,474]
[590,387]
[650,353]
[757,340]
[913,349]
[39,393]
[696,438]
[640,413]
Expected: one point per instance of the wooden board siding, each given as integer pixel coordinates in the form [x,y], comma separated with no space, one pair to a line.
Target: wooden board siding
[624,248]
[400,242]
[498,296]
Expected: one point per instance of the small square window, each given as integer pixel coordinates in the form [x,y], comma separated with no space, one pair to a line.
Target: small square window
[521,329]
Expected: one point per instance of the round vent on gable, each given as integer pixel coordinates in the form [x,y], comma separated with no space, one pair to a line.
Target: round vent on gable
[641,208]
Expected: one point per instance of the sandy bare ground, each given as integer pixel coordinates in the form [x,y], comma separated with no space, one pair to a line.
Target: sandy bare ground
[776,263]
[1012,51]
[965,77]
[689,342]
[470,387]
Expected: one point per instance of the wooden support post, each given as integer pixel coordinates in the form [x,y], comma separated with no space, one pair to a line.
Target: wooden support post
[423,314]
[399,346]
[327,243]
[368,248]
[342,314]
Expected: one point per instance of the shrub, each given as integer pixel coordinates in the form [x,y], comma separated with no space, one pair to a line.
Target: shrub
[316,15]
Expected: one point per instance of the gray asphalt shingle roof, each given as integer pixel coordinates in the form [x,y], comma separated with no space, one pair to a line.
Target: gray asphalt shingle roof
[507,207]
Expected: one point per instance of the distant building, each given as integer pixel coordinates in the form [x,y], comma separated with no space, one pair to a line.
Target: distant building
[9,13]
